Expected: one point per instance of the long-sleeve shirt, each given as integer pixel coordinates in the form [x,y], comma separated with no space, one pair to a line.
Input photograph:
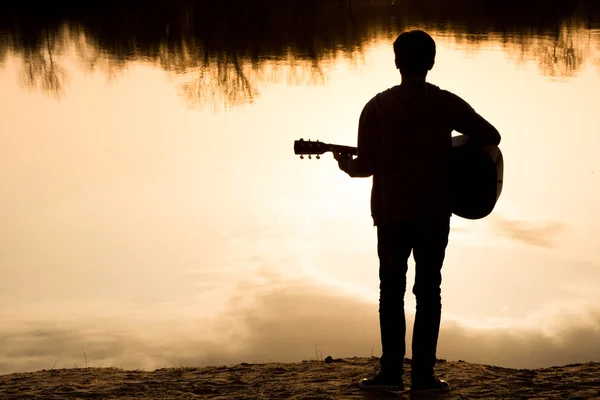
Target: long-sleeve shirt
[404,142]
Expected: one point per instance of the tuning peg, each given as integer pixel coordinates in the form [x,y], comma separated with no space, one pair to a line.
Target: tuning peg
[301,157]
[309,157]
[318,157]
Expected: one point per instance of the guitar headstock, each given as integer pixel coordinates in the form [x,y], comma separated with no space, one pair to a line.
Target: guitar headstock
[308,147]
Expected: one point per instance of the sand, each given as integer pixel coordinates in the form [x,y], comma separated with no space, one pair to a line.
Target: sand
[335,379]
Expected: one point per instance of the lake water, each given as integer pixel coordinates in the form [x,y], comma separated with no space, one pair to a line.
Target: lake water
[153,212]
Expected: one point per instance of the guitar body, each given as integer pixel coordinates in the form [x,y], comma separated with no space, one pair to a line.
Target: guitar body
[476,174]
[477,177]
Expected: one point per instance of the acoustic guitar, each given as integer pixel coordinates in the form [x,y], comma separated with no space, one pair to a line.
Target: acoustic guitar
[476,173]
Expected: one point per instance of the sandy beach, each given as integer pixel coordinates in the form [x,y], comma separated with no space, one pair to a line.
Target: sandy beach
[329,379]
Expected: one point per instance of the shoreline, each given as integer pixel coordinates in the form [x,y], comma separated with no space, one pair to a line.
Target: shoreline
[329,379]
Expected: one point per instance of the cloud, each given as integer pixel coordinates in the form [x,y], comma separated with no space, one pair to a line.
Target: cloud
[286,322]
[535,233]
[571,338]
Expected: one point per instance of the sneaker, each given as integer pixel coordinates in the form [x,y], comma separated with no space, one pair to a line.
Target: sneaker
[432,385]
[383,382]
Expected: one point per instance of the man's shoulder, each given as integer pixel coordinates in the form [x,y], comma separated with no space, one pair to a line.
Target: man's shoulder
[394,91]
[396,94]
[381,95]
[382,98]
[444,93]
[389,92]
[375,102]
[448,95]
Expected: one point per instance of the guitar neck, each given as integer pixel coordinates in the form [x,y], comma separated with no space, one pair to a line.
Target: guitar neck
[344,149]
[307,147]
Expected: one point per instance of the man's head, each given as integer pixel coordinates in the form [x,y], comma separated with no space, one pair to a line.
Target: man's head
[415,53]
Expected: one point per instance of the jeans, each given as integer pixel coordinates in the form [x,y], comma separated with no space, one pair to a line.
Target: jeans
[427,238]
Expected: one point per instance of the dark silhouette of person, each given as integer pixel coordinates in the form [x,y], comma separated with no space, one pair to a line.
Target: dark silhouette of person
[405,142]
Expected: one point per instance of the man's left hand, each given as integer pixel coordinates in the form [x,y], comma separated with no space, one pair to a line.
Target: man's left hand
[342,159]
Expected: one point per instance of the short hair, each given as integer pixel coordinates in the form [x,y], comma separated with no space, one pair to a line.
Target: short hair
[415,52]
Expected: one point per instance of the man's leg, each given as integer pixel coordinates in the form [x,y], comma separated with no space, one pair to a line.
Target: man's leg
[431,239]
[393,249]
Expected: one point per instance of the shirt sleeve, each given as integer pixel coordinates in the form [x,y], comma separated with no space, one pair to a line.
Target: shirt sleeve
[368,133]
[468,122]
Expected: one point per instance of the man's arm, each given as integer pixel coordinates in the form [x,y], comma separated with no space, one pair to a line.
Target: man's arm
[364,164]
[468,122]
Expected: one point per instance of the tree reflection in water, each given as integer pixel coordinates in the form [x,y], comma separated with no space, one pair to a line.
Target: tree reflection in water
[223,49]
[221,81]
[40,69]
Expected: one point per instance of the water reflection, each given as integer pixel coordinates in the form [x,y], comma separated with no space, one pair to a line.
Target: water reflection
[225,49]
[141,229]
[40,70]
[560,54]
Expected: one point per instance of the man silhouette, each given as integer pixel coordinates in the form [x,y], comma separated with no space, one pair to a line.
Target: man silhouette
[404,142]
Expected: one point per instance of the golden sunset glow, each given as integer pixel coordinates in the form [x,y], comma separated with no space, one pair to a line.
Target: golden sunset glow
[138,202]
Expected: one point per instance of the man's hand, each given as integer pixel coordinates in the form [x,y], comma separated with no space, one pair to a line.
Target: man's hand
[342,159]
